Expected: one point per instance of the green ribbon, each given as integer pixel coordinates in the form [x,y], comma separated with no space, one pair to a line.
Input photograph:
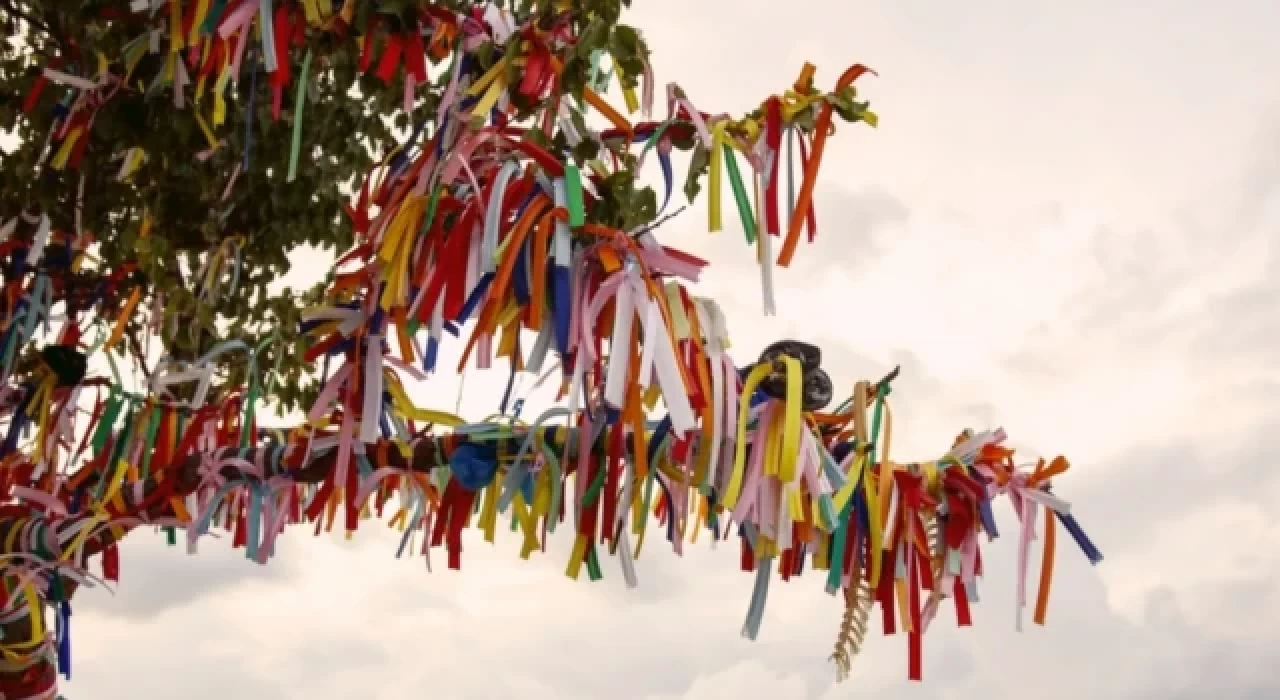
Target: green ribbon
[115,370]
[153,427]
[432,204]
[106,422]
[593,564]
[593,491]
[211,19]
[740,195]
[836,559]
[118,448]
[649,480]
[573,195]
[553,463]
[256,390]
[298,104]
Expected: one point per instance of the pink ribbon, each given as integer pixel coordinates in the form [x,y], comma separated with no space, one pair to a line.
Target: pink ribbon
[746,509]
[694,115]
[1025,500]
[45,500]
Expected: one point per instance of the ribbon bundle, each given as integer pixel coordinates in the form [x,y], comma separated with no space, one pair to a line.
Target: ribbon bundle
[503,211]
[791,485]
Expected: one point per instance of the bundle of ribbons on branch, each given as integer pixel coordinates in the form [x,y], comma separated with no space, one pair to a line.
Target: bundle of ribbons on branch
[477,227]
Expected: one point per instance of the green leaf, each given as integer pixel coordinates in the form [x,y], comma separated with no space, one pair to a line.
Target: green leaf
[699,163]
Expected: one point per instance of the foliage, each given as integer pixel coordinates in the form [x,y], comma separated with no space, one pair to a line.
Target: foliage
[211,235]
[348,126]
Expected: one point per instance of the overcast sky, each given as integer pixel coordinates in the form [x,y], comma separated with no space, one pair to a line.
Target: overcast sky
[1066,225]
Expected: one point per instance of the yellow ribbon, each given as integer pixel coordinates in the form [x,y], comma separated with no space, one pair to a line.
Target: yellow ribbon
[14,650]
[11,540]
[791,422]
[311,12]
[204,128]
[488,78]
[489,511]
[734,488]
[715,177]
[396,250]
[491,84]
[220,87]
[528,526]
[64,151]
[176,42]
[405,407]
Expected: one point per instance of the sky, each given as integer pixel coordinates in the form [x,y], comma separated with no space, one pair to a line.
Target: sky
[1065,225]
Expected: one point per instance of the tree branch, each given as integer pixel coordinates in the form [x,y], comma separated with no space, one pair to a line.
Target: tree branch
[428,454]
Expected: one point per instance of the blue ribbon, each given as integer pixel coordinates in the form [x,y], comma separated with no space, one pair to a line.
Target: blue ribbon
[429,357]
[561,304]
[64,639]
[408,531]
[760,592]
[253,520]
[1077,533]
[477,294]
[17,423]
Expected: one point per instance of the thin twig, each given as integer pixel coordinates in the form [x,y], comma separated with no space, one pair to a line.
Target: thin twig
[663,220]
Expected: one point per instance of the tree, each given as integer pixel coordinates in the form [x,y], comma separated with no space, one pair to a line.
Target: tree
[462,160]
